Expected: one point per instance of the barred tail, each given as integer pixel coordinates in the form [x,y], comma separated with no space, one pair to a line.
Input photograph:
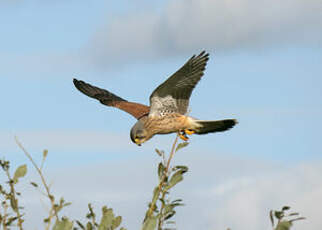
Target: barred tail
[214,126]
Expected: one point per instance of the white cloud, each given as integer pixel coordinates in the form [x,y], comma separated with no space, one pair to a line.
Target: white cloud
[189,26]
[247,205]
[183,28]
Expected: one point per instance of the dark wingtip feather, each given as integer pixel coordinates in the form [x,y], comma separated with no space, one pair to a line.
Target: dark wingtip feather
[104,96]
[75,81]
[78,84]
[215,126]
[230,123]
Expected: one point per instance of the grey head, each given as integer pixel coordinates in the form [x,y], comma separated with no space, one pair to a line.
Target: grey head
[139,133]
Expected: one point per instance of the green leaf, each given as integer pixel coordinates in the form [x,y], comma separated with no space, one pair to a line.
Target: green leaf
[296,219]
[46,220]
[294,214]
[116,222]
[91,213]
[284,225]
[11,220]
[278,214]
[107,219]
[89,226]
[14,203]
[160,153]
[182,167]
[156,193]
[63,224]
[20,172]
[181,145]
[168,208]
[80,225]
[67,204]
[173,222]
[176,204]
[271,217]
[169,215]
[161,170]
[45,153]
[150,223]
[34,184]
[176,178]
[285,208]
[176,201]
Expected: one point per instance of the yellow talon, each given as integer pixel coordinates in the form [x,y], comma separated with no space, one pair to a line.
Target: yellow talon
[189,131]
[183,136]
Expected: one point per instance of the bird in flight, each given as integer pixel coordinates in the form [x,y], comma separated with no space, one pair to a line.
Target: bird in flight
[169,102]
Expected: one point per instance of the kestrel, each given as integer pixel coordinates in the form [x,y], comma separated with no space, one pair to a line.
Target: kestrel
[168,105]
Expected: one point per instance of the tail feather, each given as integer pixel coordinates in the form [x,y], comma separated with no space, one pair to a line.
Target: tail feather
[215,126]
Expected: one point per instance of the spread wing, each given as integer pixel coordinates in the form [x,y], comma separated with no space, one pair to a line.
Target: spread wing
[107,98]
[173,95]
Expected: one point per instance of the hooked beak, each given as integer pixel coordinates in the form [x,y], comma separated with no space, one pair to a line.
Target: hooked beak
[137,141]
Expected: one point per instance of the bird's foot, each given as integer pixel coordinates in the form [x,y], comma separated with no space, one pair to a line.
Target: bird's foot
[189,131]
[182,134]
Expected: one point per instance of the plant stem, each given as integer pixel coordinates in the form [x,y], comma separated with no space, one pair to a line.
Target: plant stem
[163,192]
[50,197]
[172,152]
[163,179]
[4,220]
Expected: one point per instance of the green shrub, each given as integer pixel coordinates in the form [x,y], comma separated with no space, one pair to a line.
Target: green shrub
[160,210]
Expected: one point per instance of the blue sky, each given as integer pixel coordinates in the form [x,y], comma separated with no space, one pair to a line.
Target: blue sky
[264,70]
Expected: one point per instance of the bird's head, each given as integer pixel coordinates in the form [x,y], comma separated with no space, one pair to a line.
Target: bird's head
[139,134]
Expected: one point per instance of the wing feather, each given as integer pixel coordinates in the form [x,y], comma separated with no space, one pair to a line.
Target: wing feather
[173,95]
[107,98]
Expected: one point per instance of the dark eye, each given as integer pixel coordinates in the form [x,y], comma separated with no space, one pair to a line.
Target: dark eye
[139,134]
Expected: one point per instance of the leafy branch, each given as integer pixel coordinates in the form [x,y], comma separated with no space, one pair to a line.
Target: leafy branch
[108,220]
[160,210]
[284,220]
[154,217]
[11,196]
